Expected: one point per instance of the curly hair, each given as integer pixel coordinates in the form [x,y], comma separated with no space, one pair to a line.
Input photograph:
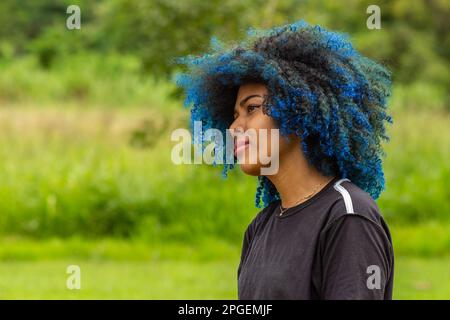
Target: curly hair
[319,88]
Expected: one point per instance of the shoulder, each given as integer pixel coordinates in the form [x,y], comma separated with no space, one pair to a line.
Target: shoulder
[356,209]
[349,199]
[355,224]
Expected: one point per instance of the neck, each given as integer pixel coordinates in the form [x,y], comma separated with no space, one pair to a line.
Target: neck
[297,179]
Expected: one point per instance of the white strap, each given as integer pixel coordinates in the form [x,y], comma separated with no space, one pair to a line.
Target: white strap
[347,199]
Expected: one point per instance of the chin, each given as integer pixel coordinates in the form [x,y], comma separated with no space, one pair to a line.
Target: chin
[251,169]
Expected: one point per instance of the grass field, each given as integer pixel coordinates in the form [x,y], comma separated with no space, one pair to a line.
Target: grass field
[95,187]
[183,278]
[108,173]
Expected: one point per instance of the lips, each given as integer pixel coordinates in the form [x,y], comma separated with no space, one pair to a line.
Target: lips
[240,145]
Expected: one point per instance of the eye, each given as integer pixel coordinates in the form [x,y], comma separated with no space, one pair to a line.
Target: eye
[252,107]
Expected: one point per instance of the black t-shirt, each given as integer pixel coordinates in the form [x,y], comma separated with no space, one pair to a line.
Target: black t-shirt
[335,245]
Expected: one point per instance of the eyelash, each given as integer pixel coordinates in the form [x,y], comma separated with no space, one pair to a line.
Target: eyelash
[248,108]
[252,105]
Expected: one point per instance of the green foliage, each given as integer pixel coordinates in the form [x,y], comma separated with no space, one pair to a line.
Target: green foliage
[86,78]
[159,30]
[85,123]
[75,172]
[175,272]
[417,168]
[414,40]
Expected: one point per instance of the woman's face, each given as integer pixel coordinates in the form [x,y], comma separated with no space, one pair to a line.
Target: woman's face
[250,118]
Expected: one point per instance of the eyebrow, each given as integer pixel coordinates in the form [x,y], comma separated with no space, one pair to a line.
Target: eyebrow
[247,98]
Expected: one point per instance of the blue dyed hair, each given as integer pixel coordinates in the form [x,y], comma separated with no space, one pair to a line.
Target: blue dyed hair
[319,88]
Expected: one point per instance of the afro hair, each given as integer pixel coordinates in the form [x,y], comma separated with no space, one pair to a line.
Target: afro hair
[319,88]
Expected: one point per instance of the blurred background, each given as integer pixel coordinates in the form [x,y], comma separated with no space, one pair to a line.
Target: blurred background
[85,121]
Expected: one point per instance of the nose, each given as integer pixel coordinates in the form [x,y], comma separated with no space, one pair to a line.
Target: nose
[236,130]
[236,127]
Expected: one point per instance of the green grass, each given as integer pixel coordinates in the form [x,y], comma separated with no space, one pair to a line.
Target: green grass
[119,269]
[415,278]
[422,278]
[92,185]
[76,172]
[89,79]
[417,168]
[119,280]
[428,240]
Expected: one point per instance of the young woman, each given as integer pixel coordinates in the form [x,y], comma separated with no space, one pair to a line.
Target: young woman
[320,234]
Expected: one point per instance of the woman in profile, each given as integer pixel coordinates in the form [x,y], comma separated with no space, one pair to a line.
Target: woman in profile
[320,234]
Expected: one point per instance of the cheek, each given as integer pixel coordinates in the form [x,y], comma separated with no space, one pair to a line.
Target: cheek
[274,142]
[262,121]
[257,122]
[271,133]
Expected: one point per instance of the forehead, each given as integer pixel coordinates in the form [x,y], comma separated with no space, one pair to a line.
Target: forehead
[249,89]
